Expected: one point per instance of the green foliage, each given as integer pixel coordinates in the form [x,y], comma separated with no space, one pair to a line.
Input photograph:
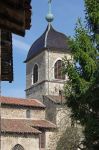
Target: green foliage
[82,87]
[83,84]
[92,19]
[92,14]
[69,140]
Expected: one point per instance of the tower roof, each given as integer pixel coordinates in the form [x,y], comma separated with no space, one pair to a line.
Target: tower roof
[50,39]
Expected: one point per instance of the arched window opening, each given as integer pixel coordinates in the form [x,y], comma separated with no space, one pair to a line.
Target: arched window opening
[18,147]
[35,73]
[58,70]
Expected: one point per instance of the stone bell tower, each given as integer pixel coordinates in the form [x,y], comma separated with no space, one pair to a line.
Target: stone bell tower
[45,80]
[44,62]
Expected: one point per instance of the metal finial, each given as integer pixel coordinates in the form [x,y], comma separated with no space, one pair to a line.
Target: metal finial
[49,16]
[49,1]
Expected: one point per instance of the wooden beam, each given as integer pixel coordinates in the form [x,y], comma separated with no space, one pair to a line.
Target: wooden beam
[6,56]
[15,16]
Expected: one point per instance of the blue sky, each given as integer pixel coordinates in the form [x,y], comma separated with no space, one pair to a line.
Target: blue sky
[65,12]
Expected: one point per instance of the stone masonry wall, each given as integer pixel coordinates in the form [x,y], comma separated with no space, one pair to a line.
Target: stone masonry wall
[61,117]
[28,142]
[62,121]
[55,84]
[51,58]
[40,61]
[47,84]
[50,110]
[20,113]
[36,91]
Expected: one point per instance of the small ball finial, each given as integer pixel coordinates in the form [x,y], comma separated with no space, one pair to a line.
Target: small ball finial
[50,16]
[49,1]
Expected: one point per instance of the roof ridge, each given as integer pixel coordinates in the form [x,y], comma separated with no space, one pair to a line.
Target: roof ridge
[21,101]
[39,102]
[19,98]
[46,35]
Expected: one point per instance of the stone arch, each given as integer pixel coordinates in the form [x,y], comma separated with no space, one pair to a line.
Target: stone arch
[18,147]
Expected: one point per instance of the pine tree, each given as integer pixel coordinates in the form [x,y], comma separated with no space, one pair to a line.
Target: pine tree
[92,15]
[82,88]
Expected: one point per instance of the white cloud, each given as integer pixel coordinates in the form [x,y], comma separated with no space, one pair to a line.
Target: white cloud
[21,45]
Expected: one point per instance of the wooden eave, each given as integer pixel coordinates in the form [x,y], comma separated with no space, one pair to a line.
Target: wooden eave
[15,15]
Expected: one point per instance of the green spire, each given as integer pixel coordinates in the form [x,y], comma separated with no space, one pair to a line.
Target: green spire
[49,16]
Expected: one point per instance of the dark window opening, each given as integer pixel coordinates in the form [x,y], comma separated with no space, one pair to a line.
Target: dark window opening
[28,113]
[35,74]
[18,147]
[6,56]
[42,140]
[58,70]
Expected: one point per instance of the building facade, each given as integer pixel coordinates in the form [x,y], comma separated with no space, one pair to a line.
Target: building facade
[31,124]
[45,79]
[44,64]
[23,124]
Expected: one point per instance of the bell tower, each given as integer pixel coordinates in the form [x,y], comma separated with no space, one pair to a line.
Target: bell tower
[44,62]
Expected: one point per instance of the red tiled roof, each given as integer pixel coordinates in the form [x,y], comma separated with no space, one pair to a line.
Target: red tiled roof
[17,126]
[38,123]
[21,102]
[43,124]
[25,126]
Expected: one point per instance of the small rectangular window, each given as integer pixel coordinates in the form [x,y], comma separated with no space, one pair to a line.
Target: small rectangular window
[28,113]
[42,140]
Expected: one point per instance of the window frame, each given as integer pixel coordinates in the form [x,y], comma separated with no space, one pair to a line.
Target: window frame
[28,113]
[58,75]
[34,74]
[42,140]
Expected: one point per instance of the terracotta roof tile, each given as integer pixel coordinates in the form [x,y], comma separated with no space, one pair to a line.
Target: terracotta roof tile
[43,124]
[17,126]
[21,102]
[25,125]
[38,123]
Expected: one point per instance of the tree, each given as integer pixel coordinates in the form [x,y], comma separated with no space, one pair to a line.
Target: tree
[82,88]
[69,140]
[92,15]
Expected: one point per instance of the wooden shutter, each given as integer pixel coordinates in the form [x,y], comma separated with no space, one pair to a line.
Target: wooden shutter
[6,56]
[27,14]
[15,16]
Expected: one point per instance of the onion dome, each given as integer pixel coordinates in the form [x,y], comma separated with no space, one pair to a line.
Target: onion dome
[51,40]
